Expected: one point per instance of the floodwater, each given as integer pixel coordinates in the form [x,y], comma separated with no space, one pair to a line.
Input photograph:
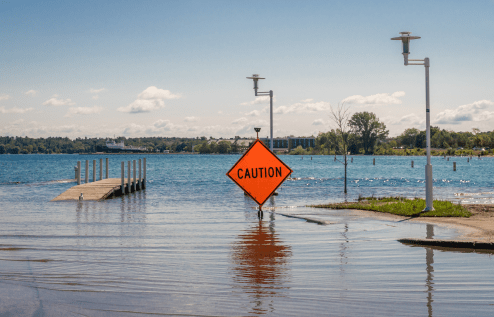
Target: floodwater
[191,243]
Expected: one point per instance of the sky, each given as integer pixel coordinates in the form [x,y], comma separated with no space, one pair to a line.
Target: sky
[178,68]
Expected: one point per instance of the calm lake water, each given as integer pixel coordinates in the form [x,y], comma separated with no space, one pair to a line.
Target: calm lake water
[191,243]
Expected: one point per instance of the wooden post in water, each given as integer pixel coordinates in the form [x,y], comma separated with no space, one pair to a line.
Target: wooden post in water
[86,176]
[352,159]
[144,174]
[412,163]
[140,174]
[122,184]
[78,172]
[134,183]
[468,160]
[107,168]
[94,171]
[447,159]
[100,169]
[128,177]
[374,161]
[454,166]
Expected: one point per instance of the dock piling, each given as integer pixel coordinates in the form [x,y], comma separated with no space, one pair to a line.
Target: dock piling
[352,160]
[140,175]
[100,169]
[107,172]
[144,172]
[412,163]
[94,170]
[454,166]
[374,161]
[78,172]
[86,175]
[128,177]
[134,174]
[122,184]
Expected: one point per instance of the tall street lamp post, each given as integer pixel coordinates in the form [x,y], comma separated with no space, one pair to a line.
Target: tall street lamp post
[256,78]
[405,39]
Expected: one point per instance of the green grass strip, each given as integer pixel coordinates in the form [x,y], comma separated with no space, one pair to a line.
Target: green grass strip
[402,207]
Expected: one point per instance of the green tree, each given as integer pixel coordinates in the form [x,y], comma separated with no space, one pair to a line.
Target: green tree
[203,148]
[224,147]
[409,137]
[368,129]
[299,150]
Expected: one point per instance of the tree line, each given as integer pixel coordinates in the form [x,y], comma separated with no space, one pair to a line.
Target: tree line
[367,135]
[360,133]
[64,145]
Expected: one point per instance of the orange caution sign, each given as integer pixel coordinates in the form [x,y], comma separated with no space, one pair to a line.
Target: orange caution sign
[259,172]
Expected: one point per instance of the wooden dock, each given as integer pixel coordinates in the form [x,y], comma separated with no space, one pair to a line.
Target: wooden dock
[99,190]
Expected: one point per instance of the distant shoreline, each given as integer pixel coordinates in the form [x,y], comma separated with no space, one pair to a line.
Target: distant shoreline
[191,153]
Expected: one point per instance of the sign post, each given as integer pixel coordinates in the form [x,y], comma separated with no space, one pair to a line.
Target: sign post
[259,172]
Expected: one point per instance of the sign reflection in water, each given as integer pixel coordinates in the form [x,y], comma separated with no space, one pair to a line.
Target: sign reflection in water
[261,265]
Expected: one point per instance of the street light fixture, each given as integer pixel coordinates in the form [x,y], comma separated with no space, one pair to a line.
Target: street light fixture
[256,78]
[405,39]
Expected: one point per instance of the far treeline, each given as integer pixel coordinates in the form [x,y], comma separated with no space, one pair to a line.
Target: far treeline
[365,134]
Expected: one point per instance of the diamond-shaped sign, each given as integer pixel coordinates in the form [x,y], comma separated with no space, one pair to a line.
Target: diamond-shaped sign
[259,172]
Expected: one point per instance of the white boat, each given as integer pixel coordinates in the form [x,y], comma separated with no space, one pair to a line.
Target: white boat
[115,146]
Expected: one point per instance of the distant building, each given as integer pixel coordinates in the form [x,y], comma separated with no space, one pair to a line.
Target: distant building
[289,143]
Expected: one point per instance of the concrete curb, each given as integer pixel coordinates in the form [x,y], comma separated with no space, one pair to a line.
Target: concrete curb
[449,243]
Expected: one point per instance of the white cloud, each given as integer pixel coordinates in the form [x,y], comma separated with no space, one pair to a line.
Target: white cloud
[377,99]
[96,91]
[303,107]
[156,93]
[409,119]
[54,101]
[4,97]
[150,99]
[253,113]
[307,100]
[475,111]
[133,129]
[14,110]
[318,122]
[83,110]
[248,129]
[163,125]
[159,127]
[240,121]
[143,105]
[258,100]
[31,92]
[191,119]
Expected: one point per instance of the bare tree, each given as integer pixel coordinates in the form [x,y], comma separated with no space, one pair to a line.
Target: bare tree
[340,117]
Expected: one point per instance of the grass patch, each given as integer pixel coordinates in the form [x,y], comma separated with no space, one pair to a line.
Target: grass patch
[402,207]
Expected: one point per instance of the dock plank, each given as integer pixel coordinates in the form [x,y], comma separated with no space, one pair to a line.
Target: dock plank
[92,191]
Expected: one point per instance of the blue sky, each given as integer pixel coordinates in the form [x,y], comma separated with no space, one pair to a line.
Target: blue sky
[178,68]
